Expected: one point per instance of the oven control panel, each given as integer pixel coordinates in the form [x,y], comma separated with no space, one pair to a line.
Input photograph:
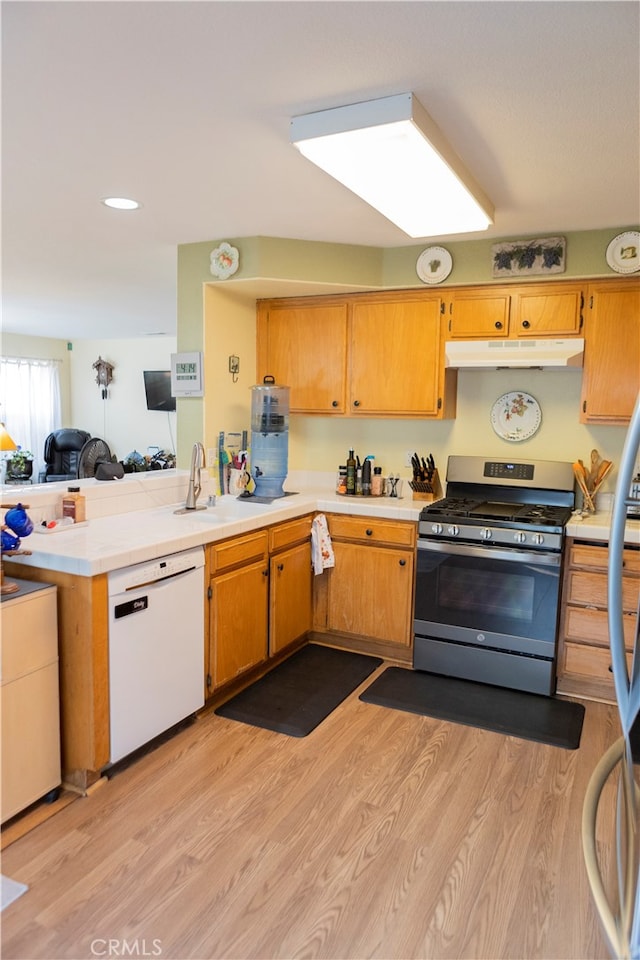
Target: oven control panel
[501,470]
[500,536]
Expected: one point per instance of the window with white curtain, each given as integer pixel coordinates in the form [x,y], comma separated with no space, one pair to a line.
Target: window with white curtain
[30,402]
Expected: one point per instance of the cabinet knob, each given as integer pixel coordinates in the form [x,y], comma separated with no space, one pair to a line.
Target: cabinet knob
[265,573]
[526,324]
[402,562]
[356,403]
[281,566]
[498,324]
[334,403]
[369,533]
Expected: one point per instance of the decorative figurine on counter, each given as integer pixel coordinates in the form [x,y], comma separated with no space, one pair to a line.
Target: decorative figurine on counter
[16,525]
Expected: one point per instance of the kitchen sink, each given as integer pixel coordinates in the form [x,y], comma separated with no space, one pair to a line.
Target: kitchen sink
[227,509]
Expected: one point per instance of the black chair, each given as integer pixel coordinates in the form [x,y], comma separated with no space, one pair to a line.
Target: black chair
[61,454]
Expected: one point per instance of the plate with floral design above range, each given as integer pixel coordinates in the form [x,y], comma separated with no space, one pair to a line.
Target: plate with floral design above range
[516,416]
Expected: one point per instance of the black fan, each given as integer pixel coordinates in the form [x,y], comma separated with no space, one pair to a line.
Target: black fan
[95,451]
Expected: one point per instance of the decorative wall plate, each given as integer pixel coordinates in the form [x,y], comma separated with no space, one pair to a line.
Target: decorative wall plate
[225,260]
[623,253]
[434,265]
[516,416]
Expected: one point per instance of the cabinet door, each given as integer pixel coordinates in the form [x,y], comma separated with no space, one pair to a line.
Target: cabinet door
[478,313]
[370,592]
[611,377]
[547,310]
[305,347]
[290,597]
[396,358]
[238,621]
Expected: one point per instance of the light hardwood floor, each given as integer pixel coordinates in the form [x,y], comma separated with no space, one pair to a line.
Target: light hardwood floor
[382,834]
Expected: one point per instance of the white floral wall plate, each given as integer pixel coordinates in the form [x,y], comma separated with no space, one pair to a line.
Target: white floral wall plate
[225,260]
[623,253]
[516,416]
[434,265]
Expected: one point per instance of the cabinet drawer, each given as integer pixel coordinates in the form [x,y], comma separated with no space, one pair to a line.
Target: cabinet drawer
[597,558]
[239,550]
[592,626]
[293,531]
[591,589]
[594,663]
[29,634]
[369,530]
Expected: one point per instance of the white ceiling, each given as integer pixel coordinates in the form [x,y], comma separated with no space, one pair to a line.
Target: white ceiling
[186,107]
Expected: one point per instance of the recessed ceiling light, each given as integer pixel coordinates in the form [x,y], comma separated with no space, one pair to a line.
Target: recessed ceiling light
[121,203]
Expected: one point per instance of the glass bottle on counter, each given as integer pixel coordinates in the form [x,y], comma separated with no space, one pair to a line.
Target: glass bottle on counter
[351,473]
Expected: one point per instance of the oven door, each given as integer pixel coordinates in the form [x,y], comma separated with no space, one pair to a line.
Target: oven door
[496,598]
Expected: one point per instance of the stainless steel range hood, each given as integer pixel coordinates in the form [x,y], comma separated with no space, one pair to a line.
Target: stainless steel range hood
[494,354]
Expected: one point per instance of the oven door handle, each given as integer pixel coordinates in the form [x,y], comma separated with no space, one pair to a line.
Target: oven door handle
[512,555]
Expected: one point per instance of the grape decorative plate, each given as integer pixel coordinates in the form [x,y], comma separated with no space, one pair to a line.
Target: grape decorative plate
[516,416]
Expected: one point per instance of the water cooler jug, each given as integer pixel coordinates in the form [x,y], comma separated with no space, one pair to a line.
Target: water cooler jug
[269,437]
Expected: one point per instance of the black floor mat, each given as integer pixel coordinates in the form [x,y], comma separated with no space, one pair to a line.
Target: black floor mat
[525,715]
[297,695]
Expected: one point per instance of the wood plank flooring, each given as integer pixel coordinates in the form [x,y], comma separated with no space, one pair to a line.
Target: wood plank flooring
[380,835]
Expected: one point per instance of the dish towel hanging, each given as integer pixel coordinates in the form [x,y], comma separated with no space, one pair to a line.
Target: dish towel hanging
[321,548]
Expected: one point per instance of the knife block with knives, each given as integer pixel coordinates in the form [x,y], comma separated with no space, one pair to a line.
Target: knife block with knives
[426,481]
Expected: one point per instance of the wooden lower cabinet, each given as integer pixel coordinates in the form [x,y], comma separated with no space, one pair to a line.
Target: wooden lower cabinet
[259,598]
[368,595]
[584,660]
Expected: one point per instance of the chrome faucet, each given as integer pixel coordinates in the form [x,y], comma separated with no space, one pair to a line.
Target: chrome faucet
[195,486]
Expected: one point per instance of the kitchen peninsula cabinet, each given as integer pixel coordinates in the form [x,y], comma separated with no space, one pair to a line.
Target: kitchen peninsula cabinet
[584,659]
[374,355]
[611,377]
[365,601]
[290,583]
[238,606]
[515,312]
[259,598]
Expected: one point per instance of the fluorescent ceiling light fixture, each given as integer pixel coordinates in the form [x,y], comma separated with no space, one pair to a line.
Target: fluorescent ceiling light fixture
[391,154]
[121,203]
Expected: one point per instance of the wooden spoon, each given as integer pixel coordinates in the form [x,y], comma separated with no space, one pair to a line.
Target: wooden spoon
[596,461]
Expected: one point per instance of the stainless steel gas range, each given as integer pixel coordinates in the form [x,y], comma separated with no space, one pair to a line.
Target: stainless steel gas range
[488,573]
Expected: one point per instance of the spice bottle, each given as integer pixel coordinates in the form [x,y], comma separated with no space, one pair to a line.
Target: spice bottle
[377,482]
[351,473]
[341,485]
[74,505]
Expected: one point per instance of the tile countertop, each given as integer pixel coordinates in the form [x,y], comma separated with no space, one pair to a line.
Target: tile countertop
[133,520]
[596,526]
[106,543]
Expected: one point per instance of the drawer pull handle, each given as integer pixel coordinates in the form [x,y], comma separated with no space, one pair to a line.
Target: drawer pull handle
[369,533]
[526,324]
[498,324]
[356,403]
[334,403]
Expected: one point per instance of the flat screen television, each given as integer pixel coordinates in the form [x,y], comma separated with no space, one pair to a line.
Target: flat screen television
[157,388]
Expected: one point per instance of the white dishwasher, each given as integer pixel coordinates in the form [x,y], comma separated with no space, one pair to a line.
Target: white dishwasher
[156,648]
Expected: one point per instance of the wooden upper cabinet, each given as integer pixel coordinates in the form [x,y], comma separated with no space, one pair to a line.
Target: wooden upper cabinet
[478,313]
[358,355]
[547,311]
[611,377]
[535,310]
[395,358]
[304,346]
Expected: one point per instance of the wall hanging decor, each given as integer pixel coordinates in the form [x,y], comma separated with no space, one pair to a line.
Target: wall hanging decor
[225,260]
[516,416]
[434,265]
[104,374]
[528,258]
[623,253]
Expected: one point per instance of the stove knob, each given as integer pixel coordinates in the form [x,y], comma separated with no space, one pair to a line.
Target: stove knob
[520,537]
[537,538]
[436,528]
[453,531]
[486,533]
